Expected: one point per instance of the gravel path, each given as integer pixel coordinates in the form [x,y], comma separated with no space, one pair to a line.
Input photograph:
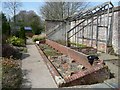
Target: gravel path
[36,73]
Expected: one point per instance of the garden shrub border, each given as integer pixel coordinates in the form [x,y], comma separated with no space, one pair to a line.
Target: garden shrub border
[11,74]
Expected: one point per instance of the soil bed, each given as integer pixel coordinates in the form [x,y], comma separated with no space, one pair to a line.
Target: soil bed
[72,72]
[80,47]
[64,64]
[85,50]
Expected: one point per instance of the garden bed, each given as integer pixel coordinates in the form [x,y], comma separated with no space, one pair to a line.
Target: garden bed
[86,50]
[11,73]
[80,47]
[12,51]
[71,71]
[64,64]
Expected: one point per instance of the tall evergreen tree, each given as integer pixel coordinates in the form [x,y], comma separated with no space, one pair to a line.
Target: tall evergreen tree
[5,25]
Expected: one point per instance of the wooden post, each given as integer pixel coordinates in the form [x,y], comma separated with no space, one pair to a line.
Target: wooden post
[83,34]
[107,30]
[97,31]
[111,28]
[92,33]
[104,23]
[67,33]
[75,35]
[78,33]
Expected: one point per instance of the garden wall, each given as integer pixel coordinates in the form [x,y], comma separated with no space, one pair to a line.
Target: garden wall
[60,33]
[57,33]
[102,33]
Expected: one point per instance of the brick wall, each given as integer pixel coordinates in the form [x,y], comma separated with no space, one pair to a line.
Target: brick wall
[79,57]
[89,77]
[93,74]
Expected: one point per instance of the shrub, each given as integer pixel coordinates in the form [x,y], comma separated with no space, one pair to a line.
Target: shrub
[22,33]
[11,73]
[5,25]
[16,41]
[38,38]
[8,51]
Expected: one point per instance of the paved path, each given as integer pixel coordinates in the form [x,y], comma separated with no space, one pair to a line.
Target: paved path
[107,57]
[36,73]
[113,68]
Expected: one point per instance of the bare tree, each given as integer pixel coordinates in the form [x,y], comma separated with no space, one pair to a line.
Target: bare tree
[61,10]
[12,6]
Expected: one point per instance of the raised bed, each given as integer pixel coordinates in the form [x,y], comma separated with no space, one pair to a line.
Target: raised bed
[64,64]
[86,50]
[69,67]
[80,47]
